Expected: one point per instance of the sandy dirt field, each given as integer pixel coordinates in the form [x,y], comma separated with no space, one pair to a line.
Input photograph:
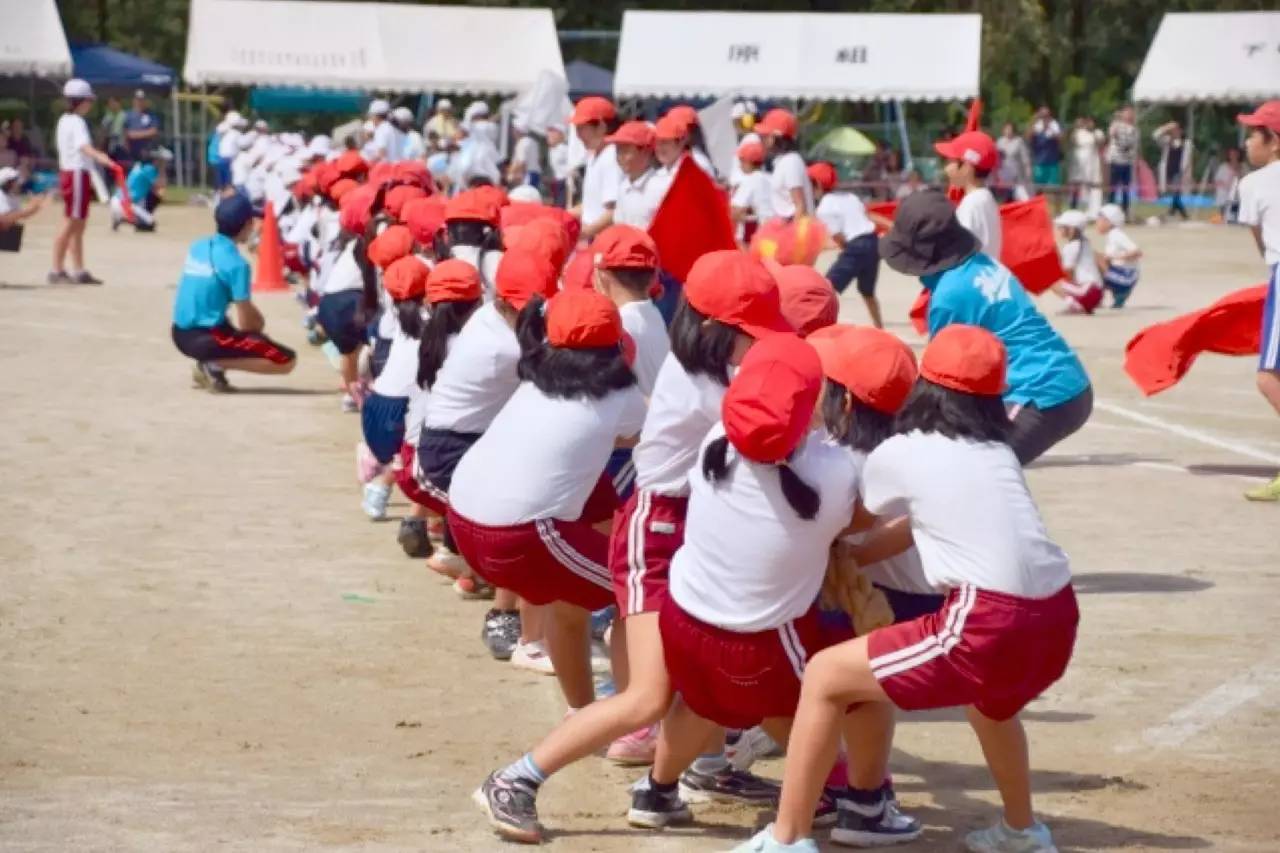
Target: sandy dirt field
[204,645]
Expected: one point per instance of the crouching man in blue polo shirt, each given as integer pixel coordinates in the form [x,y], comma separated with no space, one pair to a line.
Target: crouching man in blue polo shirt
[215,277]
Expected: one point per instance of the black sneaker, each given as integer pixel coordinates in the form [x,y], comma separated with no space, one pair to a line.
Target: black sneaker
[216,378]
[512,808]
[828,807]
[84,277]
[58,278]
[412,537]
[652,809]
[501,632]
[876,825]
[730,786]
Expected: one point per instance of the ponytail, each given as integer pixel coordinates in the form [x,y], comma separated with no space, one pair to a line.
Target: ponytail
[715,460]
[446,320]
[367,271]
[802,497]
[409,316]
[531,332]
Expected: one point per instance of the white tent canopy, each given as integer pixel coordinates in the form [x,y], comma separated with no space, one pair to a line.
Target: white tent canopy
[852,57]
[31,39]
[1212,56]
[395,47]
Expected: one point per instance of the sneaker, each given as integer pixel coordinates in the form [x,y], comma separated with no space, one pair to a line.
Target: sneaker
[512,808]
[601,621]
[750,746]
[84,277]
[731,786]
[349,404]
[878,825]
[58,278]
[764,842]
[635,749]
[376,496]
[828,809]
[367,465]
[1269,492]
[447,564]
[115,222]
[210,378]
[501,633]
[653,810]
[412,537]
[533,657]
[435,530]
[471,588]
[1001,838]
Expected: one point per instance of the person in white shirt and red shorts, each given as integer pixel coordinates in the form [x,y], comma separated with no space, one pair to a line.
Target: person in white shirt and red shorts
[76,156]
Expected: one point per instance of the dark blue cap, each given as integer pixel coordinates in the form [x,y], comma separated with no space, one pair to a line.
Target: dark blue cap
[232,213]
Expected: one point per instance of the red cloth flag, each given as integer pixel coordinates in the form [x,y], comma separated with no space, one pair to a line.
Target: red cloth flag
[692,220]
[975,115]
[1160,355]
[126,203]
[1029,250]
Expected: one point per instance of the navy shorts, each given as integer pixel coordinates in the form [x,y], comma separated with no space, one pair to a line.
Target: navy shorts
[340,315]
[859,259]
[381,351]
[382,419]
[440,451]
[621,471]
[1269,358]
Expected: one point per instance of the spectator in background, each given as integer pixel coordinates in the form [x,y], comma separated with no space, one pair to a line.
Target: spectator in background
[22,152]
[230,129]
[113,129]
[1226,184]
[1122,152]
[141,127]
[414,147]
[1014,173]
[1046,149]
[443,123]
[558,160]
[1175,165]
[913,184]
[1086,164]
[12,210]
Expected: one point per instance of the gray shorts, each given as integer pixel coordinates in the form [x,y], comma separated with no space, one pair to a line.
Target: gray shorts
[1035,430]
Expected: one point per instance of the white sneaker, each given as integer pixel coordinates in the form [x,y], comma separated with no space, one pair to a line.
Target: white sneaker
[1001,838]
[533,657]
[764,842]
[376,496]
[751,746]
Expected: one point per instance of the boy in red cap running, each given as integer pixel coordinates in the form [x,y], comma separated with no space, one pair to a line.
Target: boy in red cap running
[970,158]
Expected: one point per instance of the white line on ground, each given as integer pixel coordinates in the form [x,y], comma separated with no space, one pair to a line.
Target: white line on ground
[1192,719]
[1181,431]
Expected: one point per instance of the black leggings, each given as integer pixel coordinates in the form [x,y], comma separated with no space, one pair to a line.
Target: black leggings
[1036,430]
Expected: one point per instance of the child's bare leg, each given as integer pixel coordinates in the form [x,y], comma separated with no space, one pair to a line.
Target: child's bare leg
[1269,387]
[569,646]
[778,728]
[873,308]
[349,367]
[868,738]
[683,738]
[1004,744]
[619,655]
[531,615]
[834,679]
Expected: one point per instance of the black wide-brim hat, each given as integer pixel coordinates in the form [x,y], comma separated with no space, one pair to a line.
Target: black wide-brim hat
[926,236]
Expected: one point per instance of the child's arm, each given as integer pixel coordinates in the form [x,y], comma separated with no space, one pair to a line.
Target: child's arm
[887,539]
[1257,238]
[247,316]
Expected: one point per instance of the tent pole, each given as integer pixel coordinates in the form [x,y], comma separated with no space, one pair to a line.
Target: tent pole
[176,113]
[31,102]
[203,106]
[907,162]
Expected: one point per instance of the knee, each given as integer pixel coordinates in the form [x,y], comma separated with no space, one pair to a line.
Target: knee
[1268,383]
[644,706]
[288,366]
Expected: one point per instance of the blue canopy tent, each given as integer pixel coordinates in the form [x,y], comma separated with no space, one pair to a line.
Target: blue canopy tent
[587,79]
[108,68]
[295,99]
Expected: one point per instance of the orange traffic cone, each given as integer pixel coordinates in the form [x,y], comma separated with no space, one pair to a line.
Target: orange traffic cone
[270,274]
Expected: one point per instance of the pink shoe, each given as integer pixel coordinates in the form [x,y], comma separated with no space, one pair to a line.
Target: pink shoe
[635,749]
[367,466]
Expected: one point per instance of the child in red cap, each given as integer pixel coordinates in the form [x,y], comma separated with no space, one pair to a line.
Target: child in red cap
[626,266]
[792,194]
[970,158]
[749,202]
[593,118]
[1004,636]
[642,185]
[472,234]
[853,230]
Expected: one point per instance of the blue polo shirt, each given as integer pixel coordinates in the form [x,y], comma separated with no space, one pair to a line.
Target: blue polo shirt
[1043,369]
[213,276]
[144,120]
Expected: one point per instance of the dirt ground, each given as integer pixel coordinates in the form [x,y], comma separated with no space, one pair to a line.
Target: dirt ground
[205,645]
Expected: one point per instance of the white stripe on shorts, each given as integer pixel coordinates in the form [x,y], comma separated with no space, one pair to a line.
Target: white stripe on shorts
[570,558]
[939,644]
[635,551]
[794,648]
[1271,336]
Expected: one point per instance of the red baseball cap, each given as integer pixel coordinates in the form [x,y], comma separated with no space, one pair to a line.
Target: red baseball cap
[583,319]
[769,406]
[593,108]
[381,171]
[683,113]
[405,278]
[326,176]
[973,147]
[453,280]
[751,152]
[396,198]
[423,217]
[341,187]
[351,165]
[731,286]
[521,274]
[1266,115]
[809,302]
[544,237]
[968,359]
[876,366]
[413,171]
[637,133]
[624,247]
[306,186]
[390,246]
[473,206]
[822,174]
[356,209]
[671,127]
[778,122]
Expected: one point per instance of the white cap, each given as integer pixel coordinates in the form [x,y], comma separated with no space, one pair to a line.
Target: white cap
[235,119]
[77,88]
[402,114]
[475,109]
[289,171]
[444,104]
[162,153]
[261,124]
[319,145]
[7,174]
[1113,213]
[379,107]
[1071,219]
[525,193]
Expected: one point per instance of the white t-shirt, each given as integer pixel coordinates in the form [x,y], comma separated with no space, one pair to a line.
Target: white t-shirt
[1078,259]
[749,562]
[489,274]
[600,182]
[478,376]
[754,193]
[72,133]
[229,143]
[972,516]
[344,274]
[412,146]
[385,143]
[1117,244]
[399,376]
[558,159]
[979,213]
[643,322]
[845,214]
[903,571]
[682,409]
[789,174]
[9,203]
[526,152]
[638,201]
[1259,205]
[542,456]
